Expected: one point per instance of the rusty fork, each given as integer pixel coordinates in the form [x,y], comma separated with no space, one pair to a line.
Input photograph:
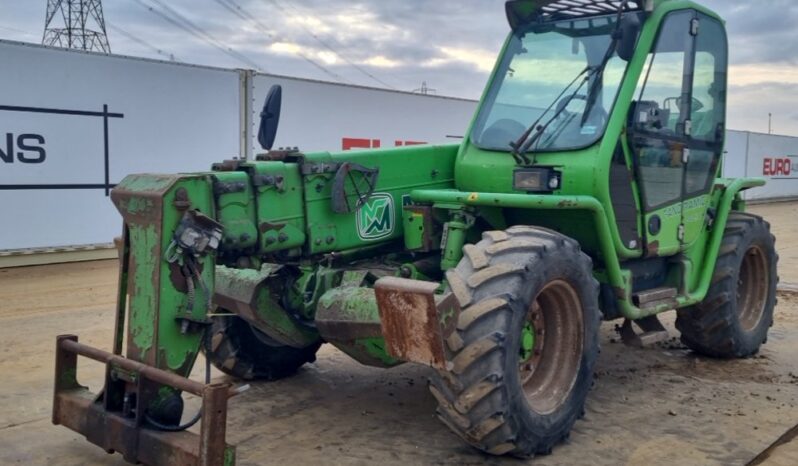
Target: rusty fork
[113,426]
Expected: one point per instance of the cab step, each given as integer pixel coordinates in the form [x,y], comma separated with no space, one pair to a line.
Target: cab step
[653,332]
[653,298]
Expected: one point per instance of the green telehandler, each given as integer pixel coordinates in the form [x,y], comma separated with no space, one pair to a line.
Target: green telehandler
[587,188]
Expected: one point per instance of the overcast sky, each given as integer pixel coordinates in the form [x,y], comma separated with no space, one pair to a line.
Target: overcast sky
[450,44]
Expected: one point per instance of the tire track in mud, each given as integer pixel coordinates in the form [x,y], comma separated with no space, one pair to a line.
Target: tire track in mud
[786,447]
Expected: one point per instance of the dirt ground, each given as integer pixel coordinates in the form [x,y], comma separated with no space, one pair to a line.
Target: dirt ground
[784,224]
[651,406]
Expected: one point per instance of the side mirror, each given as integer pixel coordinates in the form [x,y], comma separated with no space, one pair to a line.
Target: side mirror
[629,30]
[270,117]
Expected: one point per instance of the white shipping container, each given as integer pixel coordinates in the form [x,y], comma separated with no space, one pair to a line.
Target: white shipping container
[735,155]
[73,124]
[774,158]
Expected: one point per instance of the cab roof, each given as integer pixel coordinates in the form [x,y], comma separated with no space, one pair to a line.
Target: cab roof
[525,11]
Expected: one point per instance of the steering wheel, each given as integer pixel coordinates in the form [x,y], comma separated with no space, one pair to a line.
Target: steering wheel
[696,104]
[563,104]
[502,131]
[599,112]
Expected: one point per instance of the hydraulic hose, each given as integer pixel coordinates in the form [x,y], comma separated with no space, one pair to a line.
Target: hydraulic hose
[179,428]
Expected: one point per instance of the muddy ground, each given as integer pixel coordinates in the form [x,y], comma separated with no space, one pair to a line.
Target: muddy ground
[651,406]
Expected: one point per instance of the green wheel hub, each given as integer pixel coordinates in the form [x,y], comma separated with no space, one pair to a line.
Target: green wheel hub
[527,342]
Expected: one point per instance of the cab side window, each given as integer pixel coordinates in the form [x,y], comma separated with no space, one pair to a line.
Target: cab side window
[659,112]
[708,112]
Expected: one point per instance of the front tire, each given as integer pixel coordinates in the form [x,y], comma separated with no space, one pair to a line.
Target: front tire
[734,319]
[525,345]
[241,351]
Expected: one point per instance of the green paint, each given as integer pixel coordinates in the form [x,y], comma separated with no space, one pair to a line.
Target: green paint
[355,307]
[413,227]
[454,238]
[369,351]
[432,168]
[527,342]
[143,299]
[147,184]
[235,209]
[376,348]
[279,324]
[229,456]
[262,290]
[351,304]
[154,335]
[616,277]
[280,205]
[139,205]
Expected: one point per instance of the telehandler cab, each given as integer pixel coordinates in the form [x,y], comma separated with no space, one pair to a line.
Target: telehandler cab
[588,188]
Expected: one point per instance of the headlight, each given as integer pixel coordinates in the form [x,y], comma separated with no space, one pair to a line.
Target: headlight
[536,180]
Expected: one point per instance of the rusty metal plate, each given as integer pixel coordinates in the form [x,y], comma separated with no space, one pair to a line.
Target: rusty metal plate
[410,322]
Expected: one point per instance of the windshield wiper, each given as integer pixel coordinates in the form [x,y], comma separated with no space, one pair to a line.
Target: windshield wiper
[524,143]
[592,95]
[529,137]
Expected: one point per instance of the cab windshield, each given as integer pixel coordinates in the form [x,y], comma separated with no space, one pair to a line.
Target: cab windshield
[530,83]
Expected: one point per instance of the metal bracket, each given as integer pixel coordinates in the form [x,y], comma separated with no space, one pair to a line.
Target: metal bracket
[695,26]
[260,181]
[220,187]
[318,168]
[363,180]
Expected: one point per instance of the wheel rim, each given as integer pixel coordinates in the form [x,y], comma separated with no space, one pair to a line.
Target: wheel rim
[752,288]
[550,365]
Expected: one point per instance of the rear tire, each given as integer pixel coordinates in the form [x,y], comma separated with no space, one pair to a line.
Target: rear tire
[734,319]
[526,342]
[241,351]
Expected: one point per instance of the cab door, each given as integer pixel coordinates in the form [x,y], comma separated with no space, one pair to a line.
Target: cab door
[706,126]
[676,130]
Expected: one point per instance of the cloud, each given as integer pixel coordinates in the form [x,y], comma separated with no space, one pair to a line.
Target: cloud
[482,60]
[381,61]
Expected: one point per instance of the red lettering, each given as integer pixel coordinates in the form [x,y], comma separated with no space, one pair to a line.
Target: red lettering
[777,167]
[360,143]
[399,143]
[357,143]
[354,143]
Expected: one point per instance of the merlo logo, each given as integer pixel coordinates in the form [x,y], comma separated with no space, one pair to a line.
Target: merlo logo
[375,220]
